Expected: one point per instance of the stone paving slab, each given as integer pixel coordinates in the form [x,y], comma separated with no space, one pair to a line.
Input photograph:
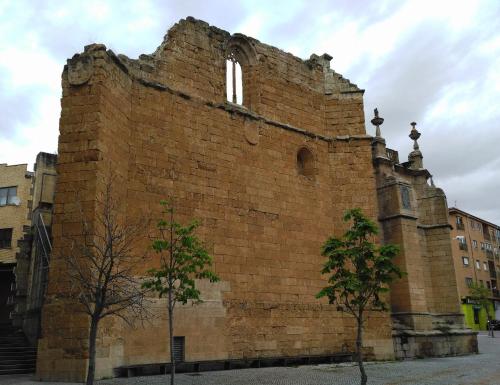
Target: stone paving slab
[479,369]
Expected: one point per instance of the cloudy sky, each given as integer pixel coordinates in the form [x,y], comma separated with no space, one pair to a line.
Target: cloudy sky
[434,62]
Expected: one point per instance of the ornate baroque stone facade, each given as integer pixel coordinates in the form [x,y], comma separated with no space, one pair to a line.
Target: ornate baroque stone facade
[270,180]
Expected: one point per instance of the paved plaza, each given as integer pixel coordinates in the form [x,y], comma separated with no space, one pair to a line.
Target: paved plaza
[480,369]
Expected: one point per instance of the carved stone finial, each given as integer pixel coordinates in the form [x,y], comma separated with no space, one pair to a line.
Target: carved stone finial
[415,157]
[414,134]
[377,122]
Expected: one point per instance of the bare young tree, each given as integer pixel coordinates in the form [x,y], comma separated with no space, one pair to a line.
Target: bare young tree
[102,268]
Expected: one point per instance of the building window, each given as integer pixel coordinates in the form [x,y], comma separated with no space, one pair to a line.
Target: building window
[468,281]
[488,284]
[8,196]
[478,264]
[234,80]
[474,243]
[482,245]
[475,225]
[305,162]
[460,223]
[462,243]
[485,266]
[465,261]
[405,197]
[5,238]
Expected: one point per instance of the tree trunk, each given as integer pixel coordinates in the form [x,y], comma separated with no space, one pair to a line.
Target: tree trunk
[92,339]
[171,337]
[359,349]
[491,333]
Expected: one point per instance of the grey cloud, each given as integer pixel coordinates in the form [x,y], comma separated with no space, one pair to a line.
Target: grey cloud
[475,193]
[17,109]
[410,82]
[404,85]
[68,36]
[303,26]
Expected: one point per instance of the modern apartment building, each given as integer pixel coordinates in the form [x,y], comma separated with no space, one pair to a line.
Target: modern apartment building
[26,200]
[15,217]
[476,258]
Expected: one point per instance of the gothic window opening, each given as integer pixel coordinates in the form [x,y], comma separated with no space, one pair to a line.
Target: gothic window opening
[234,80]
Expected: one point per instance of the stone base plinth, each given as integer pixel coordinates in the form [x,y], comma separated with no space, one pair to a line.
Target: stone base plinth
[414,344]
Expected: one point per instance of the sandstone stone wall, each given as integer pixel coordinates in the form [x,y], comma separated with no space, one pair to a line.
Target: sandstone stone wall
[161,124]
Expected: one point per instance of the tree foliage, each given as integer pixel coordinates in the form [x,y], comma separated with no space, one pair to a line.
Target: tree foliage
[481,295]
[359,272]
[183,260]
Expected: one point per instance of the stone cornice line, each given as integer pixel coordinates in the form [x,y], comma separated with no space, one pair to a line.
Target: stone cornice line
[395,216]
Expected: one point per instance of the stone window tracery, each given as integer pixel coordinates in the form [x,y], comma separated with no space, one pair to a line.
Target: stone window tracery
[241,61]
[234,79]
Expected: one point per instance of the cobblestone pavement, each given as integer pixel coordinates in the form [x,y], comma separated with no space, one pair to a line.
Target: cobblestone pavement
[480,369]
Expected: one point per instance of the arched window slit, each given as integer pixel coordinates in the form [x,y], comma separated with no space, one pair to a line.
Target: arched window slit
[234,82]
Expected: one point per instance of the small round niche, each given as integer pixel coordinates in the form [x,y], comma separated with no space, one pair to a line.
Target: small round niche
[305,162]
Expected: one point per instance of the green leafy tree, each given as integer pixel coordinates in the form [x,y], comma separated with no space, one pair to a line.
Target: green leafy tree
[481,295]
[183,260]
[359,273]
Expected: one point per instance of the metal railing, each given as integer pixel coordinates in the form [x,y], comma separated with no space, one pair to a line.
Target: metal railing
[41,254]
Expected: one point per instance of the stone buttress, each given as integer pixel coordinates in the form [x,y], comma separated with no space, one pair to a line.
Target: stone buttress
[413,214]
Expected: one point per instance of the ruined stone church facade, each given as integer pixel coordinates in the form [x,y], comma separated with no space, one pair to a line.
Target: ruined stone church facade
[269,179]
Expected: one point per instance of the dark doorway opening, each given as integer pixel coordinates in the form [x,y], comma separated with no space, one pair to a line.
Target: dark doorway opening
[7,283]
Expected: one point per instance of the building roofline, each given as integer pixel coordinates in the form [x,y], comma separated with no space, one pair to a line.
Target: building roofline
[465,213]
[14,165]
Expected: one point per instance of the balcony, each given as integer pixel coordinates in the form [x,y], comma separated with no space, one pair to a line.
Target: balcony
[462,246]
[493,274]
[489,254]
[495,292]
[460,226]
